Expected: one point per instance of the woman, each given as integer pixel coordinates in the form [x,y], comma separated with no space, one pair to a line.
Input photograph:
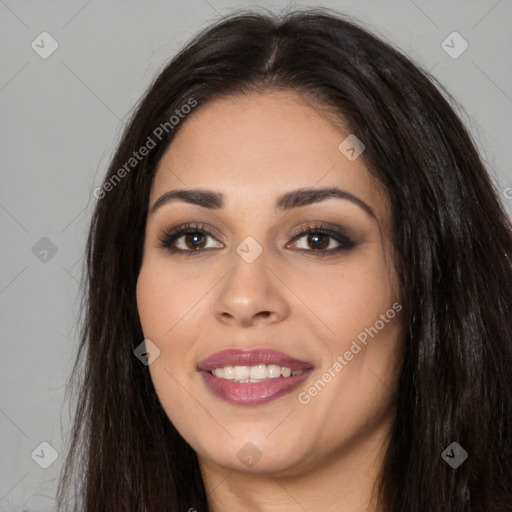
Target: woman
[299,288]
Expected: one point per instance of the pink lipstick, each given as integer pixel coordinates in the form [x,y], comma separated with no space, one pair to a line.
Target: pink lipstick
[251,377]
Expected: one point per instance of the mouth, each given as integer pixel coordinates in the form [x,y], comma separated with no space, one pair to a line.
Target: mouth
[252,377]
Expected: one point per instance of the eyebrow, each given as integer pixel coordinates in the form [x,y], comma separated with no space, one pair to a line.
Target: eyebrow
[287,201]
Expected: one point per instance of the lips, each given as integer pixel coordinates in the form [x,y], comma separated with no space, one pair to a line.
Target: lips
[252,393]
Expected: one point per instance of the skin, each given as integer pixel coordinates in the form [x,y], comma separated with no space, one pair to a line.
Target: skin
[324,455]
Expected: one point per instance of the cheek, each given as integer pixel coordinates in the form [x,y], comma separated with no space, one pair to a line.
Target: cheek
[169,308]
[355,297]
[151,304]
[363,314]
[358,307]
[163,299]
[163,316]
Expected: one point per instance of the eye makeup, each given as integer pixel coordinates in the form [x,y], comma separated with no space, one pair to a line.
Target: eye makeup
[315,233]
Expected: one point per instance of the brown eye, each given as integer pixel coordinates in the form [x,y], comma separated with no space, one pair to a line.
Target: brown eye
[188,239]
[318,240]
[193,240]
[324,240]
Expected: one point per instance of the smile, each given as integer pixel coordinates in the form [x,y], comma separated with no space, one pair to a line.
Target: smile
[259,377]
[256,373]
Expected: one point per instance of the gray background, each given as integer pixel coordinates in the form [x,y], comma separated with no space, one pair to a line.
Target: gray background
[61,118]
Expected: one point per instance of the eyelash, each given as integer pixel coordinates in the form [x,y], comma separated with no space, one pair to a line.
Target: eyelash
[168,238]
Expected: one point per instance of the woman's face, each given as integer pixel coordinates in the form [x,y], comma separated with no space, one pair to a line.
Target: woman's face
[277,299]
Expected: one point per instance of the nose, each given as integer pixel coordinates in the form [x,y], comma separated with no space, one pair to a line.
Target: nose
[251,293]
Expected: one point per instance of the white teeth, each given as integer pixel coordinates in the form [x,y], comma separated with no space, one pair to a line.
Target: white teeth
[274,371]
[285,372]
[258,372]
[255,373]
[228,373]
[241,372]
[219,372]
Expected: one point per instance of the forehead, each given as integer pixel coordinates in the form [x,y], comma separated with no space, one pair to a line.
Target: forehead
[256,146]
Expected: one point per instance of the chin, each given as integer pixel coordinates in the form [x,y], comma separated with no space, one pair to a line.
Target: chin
[275,464]
[256,456]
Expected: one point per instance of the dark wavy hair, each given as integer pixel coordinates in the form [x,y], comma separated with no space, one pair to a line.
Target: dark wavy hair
[453,243]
